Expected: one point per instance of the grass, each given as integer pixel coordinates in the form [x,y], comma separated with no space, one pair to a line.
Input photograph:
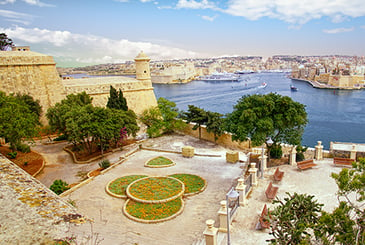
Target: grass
[193,183]
[120,185]
[153,211]
[159,161]
[155,188]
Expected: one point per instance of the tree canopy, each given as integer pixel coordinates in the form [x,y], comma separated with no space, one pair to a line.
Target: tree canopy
[116,100]
[196,115]
[5,42]
[19,120]
[84,124]
[258,117]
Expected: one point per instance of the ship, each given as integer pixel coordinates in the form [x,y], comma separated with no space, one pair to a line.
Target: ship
[224,77]
[292,88]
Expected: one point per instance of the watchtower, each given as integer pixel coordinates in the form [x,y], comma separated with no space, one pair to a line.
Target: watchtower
[142,67]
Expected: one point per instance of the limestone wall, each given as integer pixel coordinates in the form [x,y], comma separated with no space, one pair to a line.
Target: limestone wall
[31,73]
[139,94]
[224,140]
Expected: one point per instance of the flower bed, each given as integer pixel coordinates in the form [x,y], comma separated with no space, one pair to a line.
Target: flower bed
[193,184]
[117,187]
[159,162]
[153,212]
[155,189]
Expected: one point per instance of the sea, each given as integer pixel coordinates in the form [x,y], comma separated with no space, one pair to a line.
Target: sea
[333,115]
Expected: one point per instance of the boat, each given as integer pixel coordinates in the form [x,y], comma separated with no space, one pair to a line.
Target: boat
[293,88]
[224,77]
[263,85]
[244,72]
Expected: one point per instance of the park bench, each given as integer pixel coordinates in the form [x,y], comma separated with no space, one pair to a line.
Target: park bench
[343,161]
[278,175]
[263,223]
[271,191]
[306,164]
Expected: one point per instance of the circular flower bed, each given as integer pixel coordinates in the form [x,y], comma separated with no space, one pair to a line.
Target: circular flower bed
[153,212]
[155,189]
[159,162]
[117,187]
[193,183]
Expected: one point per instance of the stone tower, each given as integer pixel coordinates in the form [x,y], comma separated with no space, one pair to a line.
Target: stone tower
[142,67]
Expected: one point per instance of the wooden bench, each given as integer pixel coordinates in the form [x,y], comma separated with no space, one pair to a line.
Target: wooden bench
[343,161]
[306,164]
[278,175]
[263,223]
[271,191]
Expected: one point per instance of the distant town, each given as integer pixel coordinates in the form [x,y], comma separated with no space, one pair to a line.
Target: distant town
[337,71]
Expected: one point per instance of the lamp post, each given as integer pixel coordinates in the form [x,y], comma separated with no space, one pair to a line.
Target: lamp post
[269,142]
[231,195]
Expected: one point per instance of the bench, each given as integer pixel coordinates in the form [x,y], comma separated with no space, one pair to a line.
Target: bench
[271,191]
[278,175]
[263,223]
[343,161]
[306,164]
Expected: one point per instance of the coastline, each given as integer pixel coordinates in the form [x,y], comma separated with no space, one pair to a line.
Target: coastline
[319,85]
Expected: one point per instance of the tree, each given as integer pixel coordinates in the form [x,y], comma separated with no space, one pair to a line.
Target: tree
[18,122]
[215,124]
[346,224]
[5,42]
[196,115]
[258,117]
[293,218]
[162,119]
[33,105]
[116,100]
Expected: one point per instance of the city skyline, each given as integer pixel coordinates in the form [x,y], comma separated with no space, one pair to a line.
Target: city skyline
[80,33]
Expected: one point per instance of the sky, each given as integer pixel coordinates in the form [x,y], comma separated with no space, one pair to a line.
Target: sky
[84,32]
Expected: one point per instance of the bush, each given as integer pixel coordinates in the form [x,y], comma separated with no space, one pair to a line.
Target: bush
[276,152]
[13,154]
[104,164]
[59,186]
[300,153]
[299,157]
[23,147]
[60,138]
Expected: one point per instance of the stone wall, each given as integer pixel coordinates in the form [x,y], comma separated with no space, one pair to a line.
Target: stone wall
[31,73]
[224,140]
[139,94]
[31,213]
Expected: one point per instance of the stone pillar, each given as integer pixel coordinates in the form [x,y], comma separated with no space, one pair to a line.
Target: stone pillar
[319,151]
[264,163]
[293,156]
[222,213]
[210,233]
[232,156]
[241,188]
[188,151]
[253,172]
[353,152]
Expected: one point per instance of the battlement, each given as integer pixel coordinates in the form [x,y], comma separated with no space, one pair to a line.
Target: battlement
[12,58]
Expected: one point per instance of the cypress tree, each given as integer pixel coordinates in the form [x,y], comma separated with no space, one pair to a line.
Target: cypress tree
[116,100]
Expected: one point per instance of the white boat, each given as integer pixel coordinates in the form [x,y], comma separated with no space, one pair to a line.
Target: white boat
[244,72]
[263,85]
[293,88]
[224,77]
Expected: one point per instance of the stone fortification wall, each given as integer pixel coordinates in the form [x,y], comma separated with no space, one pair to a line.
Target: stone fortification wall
[31,213]
[139,94]
[31,73]
[224,140]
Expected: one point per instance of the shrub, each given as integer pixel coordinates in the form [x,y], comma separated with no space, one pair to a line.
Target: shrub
[300,153]
[23,147]
[104,164]
[276,152]
[13,154]
[60,138]
[59,186]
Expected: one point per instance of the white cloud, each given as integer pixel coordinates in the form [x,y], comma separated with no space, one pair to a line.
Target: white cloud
[209,18]
[291,11]
[192,4]
[16,16]
[30,2]
[338,30]
[90,48]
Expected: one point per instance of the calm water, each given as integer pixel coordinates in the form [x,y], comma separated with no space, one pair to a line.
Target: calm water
[333,115]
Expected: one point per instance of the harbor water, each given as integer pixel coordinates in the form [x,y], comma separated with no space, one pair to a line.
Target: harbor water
[333,115]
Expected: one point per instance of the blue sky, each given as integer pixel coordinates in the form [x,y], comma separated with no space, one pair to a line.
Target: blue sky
[80,32]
